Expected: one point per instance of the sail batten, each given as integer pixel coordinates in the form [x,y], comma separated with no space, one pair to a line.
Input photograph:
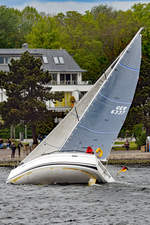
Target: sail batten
[129,68]
[97,119]
[114,101]
[96,131]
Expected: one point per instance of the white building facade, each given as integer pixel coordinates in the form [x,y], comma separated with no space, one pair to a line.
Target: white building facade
[65,72]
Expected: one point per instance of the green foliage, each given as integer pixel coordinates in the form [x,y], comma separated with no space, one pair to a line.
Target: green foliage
[141,140]
[94,39]
[4,133]
[27,18]
[85,45]
[24,85]
[139,134]
[137,130]
[44,34]
[44,127]
[133,146]
[8,27]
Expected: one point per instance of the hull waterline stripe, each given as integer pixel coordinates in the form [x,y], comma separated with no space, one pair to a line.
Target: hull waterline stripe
[54,164]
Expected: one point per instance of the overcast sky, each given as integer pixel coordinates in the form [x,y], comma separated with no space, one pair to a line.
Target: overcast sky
[56,6]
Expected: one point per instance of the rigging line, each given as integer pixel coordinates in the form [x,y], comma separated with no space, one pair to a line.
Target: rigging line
[51,145]
[96,132]
[78,121]
[76,113]
[106,163]
[129,68]
[72,150]
[109,99]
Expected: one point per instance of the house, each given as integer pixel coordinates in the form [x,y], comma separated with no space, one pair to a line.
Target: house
[65,72]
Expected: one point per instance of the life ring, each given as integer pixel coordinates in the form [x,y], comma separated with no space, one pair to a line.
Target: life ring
[99,150]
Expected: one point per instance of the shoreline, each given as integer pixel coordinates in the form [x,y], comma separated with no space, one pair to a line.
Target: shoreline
[119,157]
[130,157]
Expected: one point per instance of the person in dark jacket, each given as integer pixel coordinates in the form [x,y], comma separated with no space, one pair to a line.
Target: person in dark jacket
[127,145]
[13,149]
[19,148]
[8,143]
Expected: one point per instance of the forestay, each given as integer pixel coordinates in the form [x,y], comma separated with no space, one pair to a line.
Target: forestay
[98,117]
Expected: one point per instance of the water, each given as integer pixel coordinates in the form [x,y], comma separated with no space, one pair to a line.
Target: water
[126,202]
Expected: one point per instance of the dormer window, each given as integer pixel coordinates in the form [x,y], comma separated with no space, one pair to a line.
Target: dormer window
[61,60]
[45,60]
[58,60]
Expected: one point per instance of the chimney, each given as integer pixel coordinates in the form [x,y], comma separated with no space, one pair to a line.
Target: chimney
[25,45]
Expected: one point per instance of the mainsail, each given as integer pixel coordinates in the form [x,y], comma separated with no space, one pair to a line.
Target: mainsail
[98,117]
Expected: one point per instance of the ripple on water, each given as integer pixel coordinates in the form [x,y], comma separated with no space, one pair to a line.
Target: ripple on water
[125,202]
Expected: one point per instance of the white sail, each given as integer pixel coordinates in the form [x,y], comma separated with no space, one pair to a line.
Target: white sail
[97,119]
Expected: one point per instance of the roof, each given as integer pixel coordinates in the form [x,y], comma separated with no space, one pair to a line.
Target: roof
[69,64]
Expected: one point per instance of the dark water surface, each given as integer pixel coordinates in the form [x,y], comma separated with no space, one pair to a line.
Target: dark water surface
[126,202]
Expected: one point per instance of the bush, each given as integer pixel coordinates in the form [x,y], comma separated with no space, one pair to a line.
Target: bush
[139,134]
[4,133]
[141,139]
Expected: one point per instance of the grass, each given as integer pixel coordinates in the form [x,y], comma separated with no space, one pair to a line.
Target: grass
[133,146]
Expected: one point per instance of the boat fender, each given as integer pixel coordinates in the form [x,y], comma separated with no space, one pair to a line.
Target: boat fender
[99,150]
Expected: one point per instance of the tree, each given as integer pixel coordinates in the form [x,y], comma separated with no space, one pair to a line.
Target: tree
[80,37]
[44,34]
[8,27]
[139,134]
[26,89]
[27,18]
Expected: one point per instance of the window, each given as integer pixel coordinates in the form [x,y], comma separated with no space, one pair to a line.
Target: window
[61,60]
[45,59]
[62,78]
[74,78]
[54,78]
[7,60]
[65,78]
[58,60]
[1,60]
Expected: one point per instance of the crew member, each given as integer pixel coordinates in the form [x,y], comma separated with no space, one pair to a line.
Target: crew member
[89,150]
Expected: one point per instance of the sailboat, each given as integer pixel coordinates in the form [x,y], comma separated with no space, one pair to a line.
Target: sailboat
[94,121]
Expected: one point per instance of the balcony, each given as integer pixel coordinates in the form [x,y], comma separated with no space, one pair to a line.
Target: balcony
[69,82]
[59,109]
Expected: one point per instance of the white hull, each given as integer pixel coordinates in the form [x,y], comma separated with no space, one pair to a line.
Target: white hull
[61,168]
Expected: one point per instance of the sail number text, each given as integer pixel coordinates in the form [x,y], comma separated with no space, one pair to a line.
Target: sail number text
[119,110]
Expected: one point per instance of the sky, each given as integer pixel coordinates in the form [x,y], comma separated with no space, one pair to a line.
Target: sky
[56,6]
